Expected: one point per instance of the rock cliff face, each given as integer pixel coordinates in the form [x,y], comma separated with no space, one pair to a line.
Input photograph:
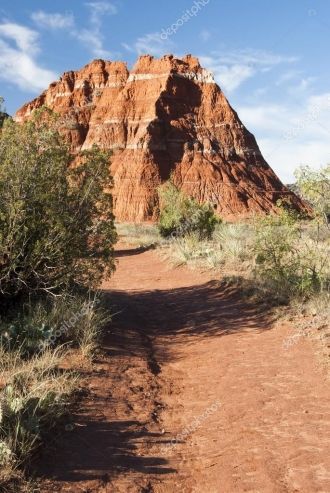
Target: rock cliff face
[165,117]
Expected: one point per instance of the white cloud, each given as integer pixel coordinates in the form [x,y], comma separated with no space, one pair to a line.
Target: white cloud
[18,65]
[25,38]
[234,67]
[93,41]
[92,37]
[287,76]
[230,77]
[319,100]
[303,86]
[53,21]
[150,44]
[286,157]
[295,84]
[289,136]
[254,57]
[100,8]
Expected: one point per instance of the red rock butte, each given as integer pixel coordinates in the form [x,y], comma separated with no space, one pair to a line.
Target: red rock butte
[166,117]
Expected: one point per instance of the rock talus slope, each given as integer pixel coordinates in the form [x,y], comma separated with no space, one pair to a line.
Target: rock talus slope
[164,117]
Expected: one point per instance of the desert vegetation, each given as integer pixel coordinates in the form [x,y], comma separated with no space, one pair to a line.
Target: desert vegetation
[284,254]
[280,259]
[56,244]
[181,215]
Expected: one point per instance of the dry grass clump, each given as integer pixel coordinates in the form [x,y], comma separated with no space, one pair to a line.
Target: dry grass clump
[74,320]
[229,249]
[35,388]
[139,235]
[312,317]
[33,398]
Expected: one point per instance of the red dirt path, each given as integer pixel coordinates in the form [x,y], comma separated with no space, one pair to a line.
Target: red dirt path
[187,362]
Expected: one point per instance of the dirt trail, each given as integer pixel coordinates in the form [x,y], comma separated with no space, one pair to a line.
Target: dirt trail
[195,392]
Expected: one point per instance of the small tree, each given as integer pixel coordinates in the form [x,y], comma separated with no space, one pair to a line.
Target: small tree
[56,220]
[181,215]
[3,114]
[315,187]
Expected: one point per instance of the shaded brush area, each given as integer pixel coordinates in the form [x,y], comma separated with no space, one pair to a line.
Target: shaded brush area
[56,244]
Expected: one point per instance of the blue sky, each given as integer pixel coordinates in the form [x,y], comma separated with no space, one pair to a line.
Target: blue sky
[270,58]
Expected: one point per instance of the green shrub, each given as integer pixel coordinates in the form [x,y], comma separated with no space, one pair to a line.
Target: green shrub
[56,220]
[287,261]
[3,114]
[314,185]
[181,215]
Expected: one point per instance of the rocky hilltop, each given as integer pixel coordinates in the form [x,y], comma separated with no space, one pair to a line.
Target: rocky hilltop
[164,117]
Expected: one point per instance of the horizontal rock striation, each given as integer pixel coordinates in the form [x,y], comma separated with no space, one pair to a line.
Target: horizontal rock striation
[166,117]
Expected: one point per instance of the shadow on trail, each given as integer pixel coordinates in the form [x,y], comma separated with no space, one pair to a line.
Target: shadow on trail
[180,316]
[101,449]
[133,251]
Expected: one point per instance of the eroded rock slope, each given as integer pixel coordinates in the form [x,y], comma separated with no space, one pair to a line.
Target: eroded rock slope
[164,117]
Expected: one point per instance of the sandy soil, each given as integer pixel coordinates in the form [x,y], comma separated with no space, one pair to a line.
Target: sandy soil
[195,391]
